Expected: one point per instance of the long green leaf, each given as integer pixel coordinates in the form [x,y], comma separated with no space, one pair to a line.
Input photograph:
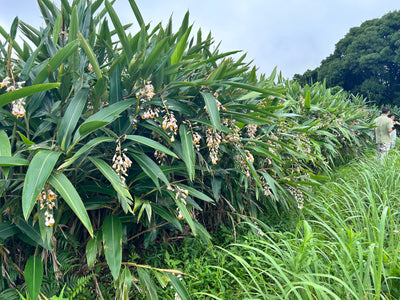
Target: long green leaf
[187,150]
[71,118]
[5,149]
[137,13]
[67,191]
[31,235]
[179,287]
[180,47]
[38,172]
[57,28]
[150,168]
[89,145]
[112,176]
[120,31]
[112,241]
[150,143]
[89,127]
[25,92]
[148,284]
[107,114]
[91,252]
[153,58]
[9,161]
[212,110]
[7,229]
[90,55]
[33,274]
[56,61]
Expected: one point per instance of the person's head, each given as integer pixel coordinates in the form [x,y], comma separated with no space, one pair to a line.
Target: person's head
[391,116]
[385,110]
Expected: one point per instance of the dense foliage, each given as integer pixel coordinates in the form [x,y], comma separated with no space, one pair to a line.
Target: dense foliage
[366,61]
[344,246]
[111,142]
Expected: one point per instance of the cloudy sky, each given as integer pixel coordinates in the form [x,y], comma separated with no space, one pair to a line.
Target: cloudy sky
[293,35]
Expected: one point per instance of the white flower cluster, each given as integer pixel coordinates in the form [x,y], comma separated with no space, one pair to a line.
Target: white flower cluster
[196,140]
[251,130]
[18,106]
[170,126]
[266,188]
[146,93]
[48,219]
[298,196]
[213,141]
[121,162]
[47,200]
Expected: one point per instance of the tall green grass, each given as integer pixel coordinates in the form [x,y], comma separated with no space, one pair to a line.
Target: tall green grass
[345,246]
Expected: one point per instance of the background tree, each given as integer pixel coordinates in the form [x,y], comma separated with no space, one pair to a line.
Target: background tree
[365,61]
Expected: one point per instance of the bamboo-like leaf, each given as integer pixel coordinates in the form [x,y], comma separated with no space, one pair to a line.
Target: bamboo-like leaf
[167,215]
[137,13]
[148,284]
[38,172]
[179,287]
[180,47]
[67,191]
[120,31]
[212,110]
[187,150]
[107,114]
[89,127]
[112,241]
[92,58]
[5,150]
[115,181]
[25,92]
[71,118]
[74,25]
[7,229]
[91,252]
[57,28]
[9,161]
[56,61]
[274,91]
[307,100]
[150,143]
[153,57]
[32,234]
[150,168]
[33,274]
[196,193]
[89,145]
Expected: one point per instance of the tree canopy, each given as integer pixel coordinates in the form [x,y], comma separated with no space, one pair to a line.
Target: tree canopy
[366,61]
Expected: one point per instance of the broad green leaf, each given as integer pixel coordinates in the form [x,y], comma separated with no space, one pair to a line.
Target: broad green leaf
[137,13]
[120,31]
[112,176]
[56,61]
[166,215]
[74,25]
[38,172]
[71,118]
[107,114]
[89,53]
[26,141]
[5,149]
[25,92]
[115,94]
[112,241]
[89,145]
[57,28]
[212,110]
[150,168]
[7,229]
[196,193]
[187,150]
[178,286]
[307,100]
[91,252]
[89,127]
[180,47]
[67,191]
[147,283]
[9,161]
[33,274]
[151,143]
[32,234]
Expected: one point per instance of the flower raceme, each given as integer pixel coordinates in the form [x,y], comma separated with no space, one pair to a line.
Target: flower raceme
[121,162]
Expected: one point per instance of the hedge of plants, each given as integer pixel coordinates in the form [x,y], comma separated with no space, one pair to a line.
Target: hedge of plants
[115,136]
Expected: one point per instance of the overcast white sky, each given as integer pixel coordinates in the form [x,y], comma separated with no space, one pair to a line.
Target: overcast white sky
[293,35]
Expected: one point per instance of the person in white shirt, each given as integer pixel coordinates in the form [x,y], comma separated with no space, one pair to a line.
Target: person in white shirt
[393,134]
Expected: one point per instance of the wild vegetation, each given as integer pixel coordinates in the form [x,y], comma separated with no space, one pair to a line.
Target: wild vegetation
[365,61]
[114,141]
